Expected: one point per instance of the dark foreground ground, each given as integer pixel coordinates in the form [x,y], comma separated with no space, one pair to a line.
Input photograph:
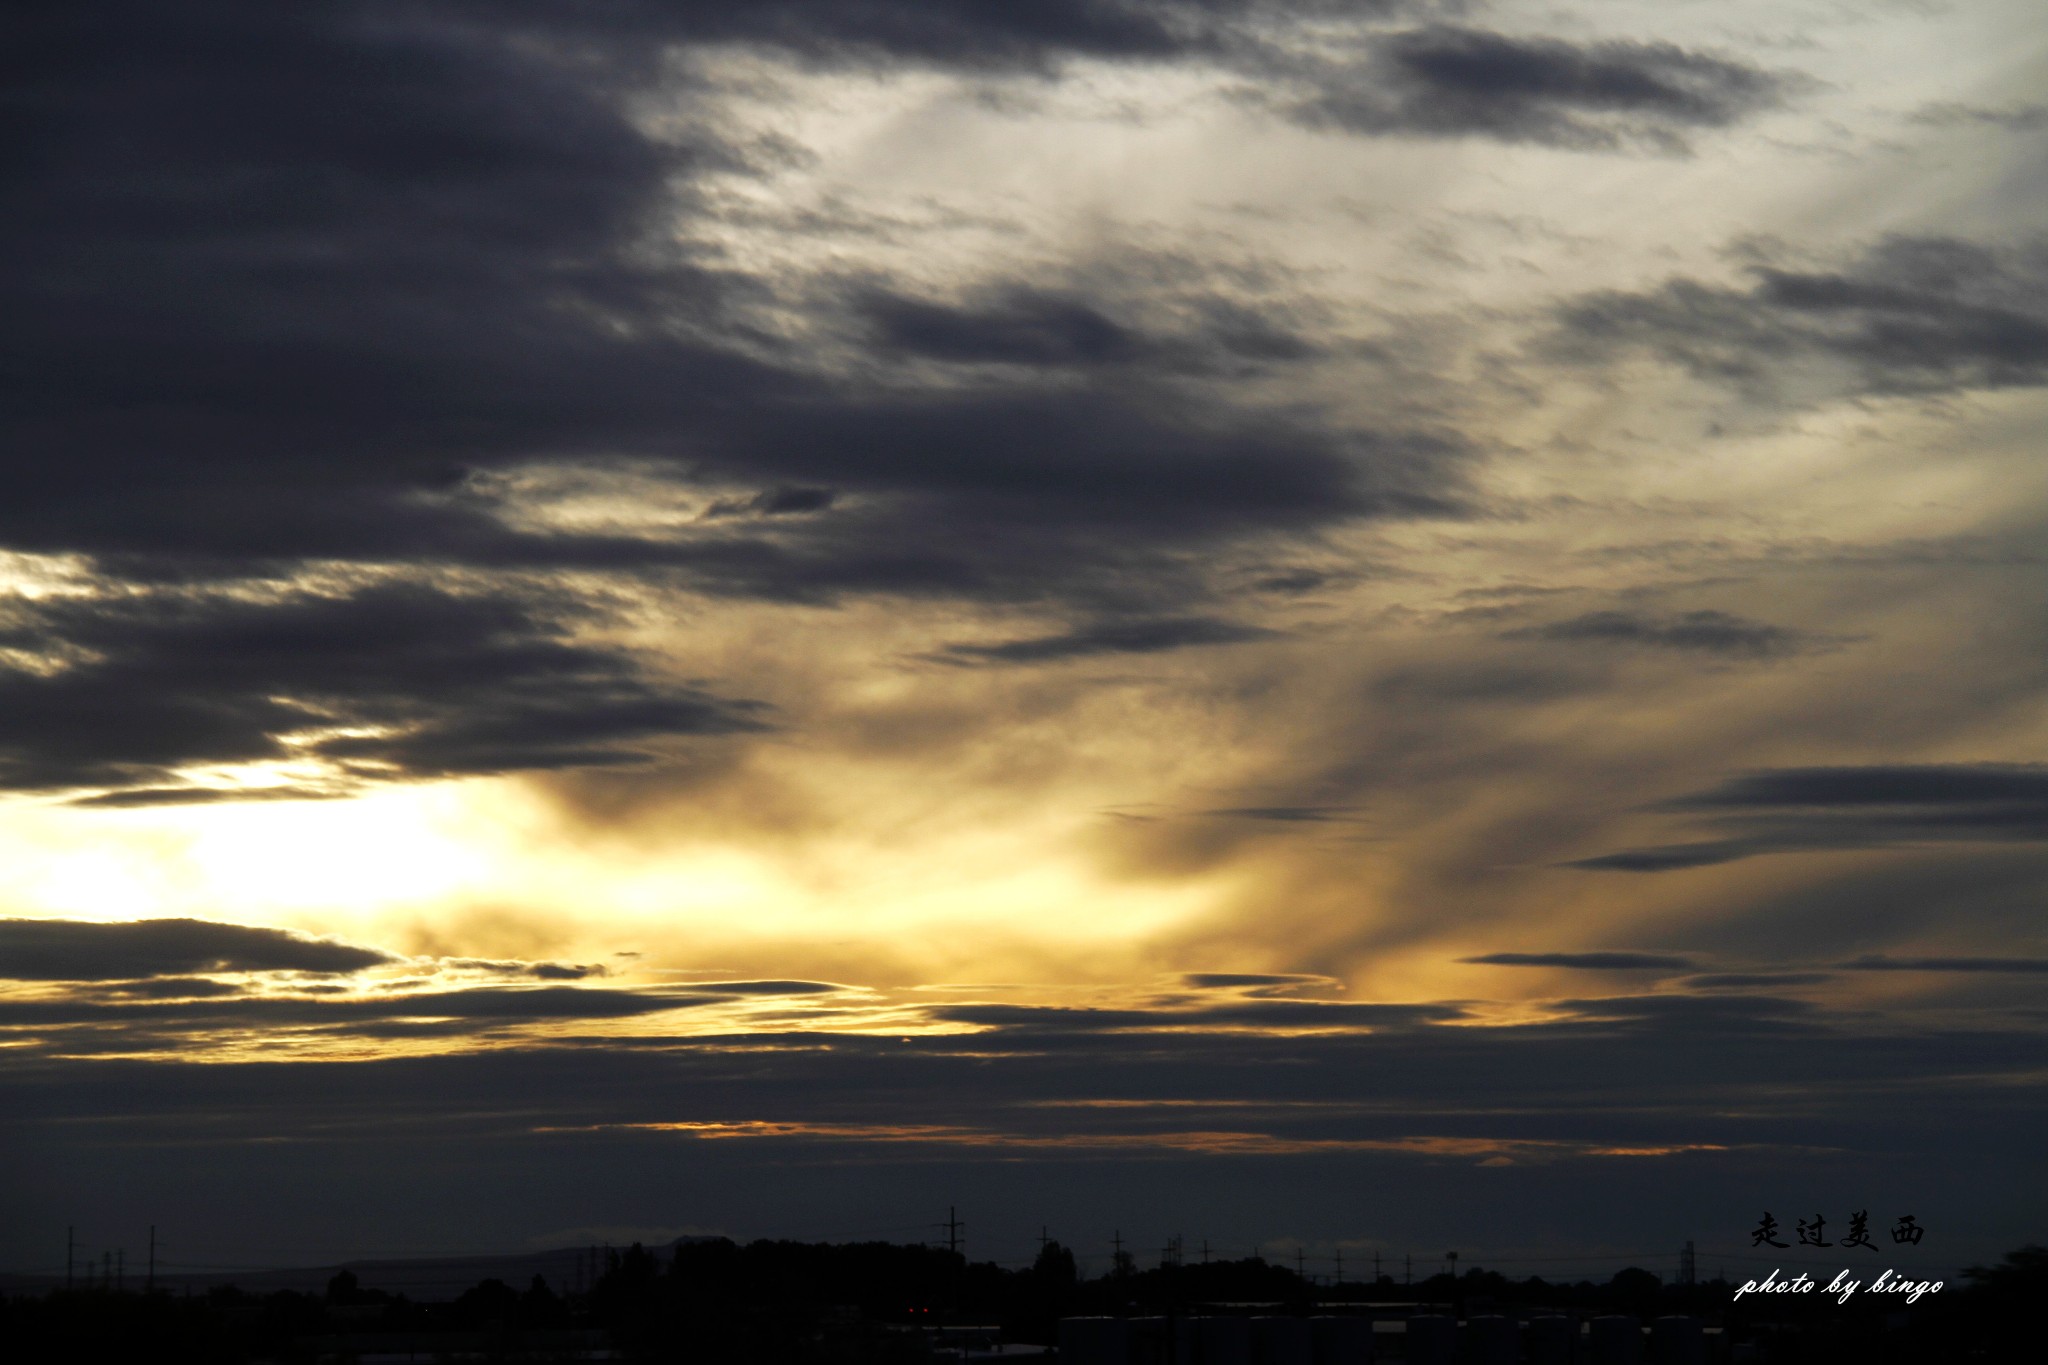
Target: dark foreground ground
[719,1303]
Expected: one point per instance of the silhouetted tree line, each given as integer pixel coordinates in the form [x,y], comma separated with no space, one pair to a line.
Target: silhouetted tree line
[720,1303]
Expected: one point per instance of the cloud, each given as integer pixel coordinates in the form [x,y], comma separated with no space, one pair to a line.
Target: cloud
[332,270]
[1442,81]
[1670,857]
[1984,788]
[138,798]
[411,293]
[1145,636]
[540,971]
[2013,118]
[1031,35]
[1591,962]
[397,1014]
[774,502]
[1132,1101]
[1751,980]
[1266,985]
[1296,815]
[1748,1084]
[1020,327]
[1046,328]
[1760,1013]
[1880,963]
[169,988]
[1702,632]
[1875,806]
[1908,315]
[1253,1013]
[766,987]
[383,682]
[77,950]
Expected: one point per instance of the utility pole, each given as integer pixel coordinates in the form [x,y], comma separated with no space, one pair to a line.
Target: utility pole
[952,1225]
[1205,1251]
[1042,1239]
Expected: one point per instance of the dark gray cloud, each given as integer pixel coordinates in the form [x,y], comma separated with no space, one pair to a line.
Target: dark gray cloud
[1985,788]
[540,971]
[1671,857]
[1702,632]
[1879,963]
[455,683]
[444,1012]
[1687,1107]
[1721,981]
[1758,1013]
[75,950]
[1029,34]
[1907,315]
[278,300]
[1019,327]
[322,282]
[1245,1013]
[2013,118]
[137,798]
[1299,581]
[1444,81]
[1877,806]
[1592,962]
[1240,980]
[766,987]
[774,502]
[1149,636]
[1287,815]
[1046,328]
[171,988]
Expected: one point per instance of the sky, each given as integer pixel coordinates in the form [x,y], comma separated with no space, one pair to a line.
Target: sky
[1335,627]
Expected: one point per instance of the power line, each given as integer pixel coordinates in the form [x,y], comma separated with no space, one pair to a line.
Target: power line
[952,1225]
